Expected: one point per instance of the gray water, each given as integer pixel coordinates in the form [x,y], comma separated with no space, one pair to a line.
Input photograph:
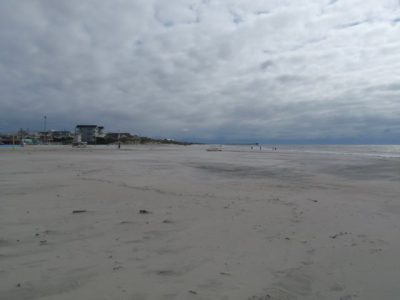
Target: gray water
[359,150]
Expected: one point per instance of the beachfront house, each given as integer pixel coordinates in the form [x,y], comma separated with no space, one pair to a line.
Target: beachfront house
[61,136]
[89,133]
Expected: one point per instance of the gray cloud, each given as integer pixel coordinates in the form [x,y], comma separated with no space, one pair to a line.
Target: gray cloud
[204,70]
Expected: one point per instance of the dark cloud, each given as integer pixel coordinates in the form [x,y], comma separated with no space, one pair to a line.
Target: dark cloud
[268,64]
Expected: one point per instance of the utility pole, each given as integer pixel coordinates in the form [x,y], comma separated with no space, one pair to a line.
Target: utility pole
[44,123]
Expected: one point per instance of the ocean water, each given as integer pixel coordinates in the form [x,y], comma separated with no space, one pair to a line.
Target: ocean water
[359,150]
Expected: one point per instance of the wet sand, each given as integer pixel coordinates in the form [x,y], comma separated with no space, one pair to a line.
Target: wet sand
[176,222]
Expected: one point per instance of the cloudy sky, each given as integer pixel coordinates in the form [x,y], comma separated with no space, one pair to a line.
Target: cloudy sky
[204,70]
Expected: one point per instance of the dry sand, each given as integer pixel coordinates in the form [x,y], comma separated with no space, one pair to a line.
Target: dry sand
[220,225]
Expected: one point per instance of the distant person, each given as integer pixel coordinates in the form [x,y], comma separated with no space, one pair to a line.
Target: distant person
[251,147]
[119,145]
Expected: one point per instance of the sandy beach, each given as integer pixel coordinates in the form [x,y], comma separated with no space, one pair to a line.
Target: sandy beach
[178,222]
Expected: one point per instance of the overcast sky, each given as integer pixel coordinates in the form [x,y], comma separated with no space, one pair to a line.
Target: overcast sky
[228,70]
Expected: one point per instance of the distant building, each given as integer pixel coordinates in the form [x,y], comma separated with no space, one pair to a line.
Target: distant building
[59,134]
[118,135]
[124,137]
[89,133]
[45,137]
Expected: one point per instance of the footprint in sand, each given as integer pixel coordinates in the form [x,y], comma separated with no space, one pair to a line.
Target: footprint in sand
[292,284]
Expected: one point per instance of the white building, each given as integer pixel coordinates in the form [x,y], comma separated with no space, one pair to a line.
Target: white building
[89,133]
